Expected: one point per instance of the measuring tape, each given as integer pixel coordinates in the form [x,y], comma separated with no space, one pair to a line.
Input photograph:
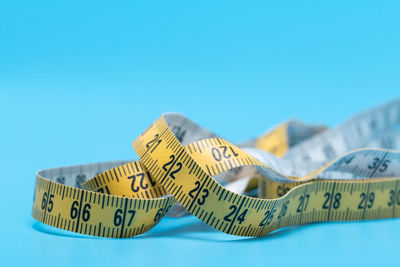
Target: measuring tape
[301,174]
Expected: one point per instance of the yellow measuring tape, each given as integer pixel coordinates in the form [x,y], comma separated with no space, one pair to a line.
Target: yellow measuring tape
[125,199]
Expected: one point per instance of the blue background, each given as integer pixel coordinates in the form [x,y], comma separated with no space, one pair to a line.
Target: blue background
[80,80]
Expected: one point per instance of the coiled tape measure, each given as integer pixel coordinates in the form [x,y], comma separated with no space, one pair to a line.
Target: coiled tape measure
[301,174]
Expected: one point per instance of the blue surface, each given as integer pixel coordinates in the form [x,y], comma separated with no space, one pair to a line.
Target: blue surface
[79,81]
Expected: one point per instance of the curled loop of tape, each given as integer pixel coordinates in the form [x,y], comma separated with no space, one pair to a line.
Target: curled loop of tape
[294,174]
